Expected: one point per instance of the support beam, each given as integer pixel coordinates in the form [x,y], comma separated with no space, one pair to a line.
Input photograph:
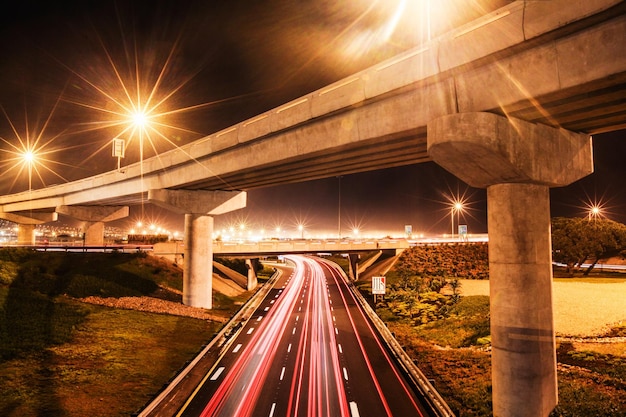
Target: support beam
[94,218]
[198,207]
[517,162]
[26,222]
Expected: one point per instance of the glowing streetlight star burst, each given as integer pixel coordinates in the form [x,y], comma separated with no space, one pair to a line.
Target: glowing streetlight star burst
[134,102]
[28,153]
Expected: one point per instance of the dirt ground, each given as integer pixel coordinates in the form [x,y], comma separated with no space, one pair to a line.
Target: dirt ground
[580,308]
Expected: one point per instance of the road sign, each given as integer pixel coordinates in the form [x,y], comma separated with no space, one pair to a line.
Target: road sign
[378,285]
[118,147]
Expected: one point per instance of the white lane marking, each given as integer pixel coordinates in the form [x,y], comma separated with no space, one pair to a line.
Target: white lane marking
[272,410]
[336,331]
[277,295]
[282,373]
[294,331]
[289,348]
[345,373]
[272,302]
[250,330]
[299,309]
[259,318]
[236,349]
[354,410]
[266,309]
[340,349]
[334,318]
[297,318]
[217,373]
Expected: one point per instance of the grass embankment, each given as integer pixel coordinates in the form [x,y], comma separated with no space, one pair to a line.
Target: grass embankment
[63,357]
[453,351]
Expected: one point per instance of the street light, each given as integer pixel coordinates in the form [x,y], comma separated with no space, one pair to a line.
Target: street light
[595,211]
[301,229]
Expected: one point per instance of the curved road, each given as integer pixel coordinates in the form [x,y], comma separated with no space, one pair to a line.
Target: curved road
[308,350]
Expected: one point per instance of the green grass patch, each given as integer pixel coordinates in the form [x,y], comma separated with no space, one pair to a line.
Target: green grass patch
[86,274]
[466,325]
[594,387]
[115,361]
[60,357]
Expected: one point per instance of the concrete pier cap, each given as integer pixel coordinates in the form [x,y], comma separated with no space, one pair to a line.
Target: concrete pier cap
[94,218]
[483,149]
[517,162]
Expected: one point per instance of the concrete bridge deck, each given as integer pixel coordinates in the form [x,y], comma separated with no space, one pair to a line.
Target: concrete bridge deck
[557,63]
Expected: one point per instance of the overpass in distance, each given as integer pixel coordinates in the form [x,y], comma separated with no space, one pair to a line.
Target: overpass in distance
[507,102]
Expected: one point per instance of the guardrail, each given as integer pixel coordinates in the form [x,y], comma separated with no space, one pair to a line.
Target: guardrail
[221,340]
[84,248]
[419,380]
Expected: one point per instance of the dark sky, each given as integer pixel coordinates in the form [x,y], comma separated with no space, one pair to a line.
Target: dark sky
[64,63]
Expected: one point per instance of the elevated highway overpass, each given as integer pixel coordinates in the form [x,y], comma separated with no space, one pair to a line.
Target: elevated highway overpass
[555,63]
[507,102]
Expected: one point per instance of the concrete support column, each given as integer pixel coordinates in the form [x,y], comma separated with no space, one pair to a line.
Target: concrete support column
[354,265]
[198,208]
[26,234]
[522,328]
[94,218]
[94,233]
[517,162]
[198,265]
[252,278]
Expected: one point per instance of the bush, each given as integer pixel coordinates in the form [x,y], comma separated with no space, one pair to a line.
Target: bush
[458,260]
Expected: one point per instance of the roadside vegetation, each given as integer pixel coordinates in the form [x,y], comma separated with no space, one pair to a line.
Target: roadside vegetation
[448,336]
[60,356]
[577,241]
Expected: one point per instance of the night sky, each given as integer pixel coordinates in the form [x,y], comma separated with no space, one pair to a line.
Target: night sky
[211,64]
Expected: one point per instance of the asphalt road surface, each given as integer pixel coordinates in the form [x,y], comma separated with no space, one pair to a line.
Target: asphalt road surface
[308,350]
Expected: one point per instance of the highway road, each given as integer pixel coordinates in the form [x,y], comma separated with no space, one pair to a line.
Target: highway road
[308,350]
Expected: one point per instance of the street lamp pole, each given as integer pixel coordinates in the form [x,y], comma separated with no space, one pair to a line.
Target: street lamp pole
[457,206]
[452,221]
[339,210]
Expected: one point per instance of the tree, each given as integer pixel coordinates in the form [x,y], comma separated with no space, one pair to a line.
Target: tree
[576,240]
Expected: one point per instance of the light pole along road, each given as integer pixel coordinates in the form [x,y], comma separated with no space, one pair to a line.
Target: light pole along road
[308,350]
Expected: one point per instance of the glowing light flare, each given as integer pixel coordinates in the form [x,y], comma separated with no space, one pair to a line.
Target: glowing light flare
[595,208]
[595,211]
[139,119]
[28,152]
[138,103]
[28,157]
[457,205]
